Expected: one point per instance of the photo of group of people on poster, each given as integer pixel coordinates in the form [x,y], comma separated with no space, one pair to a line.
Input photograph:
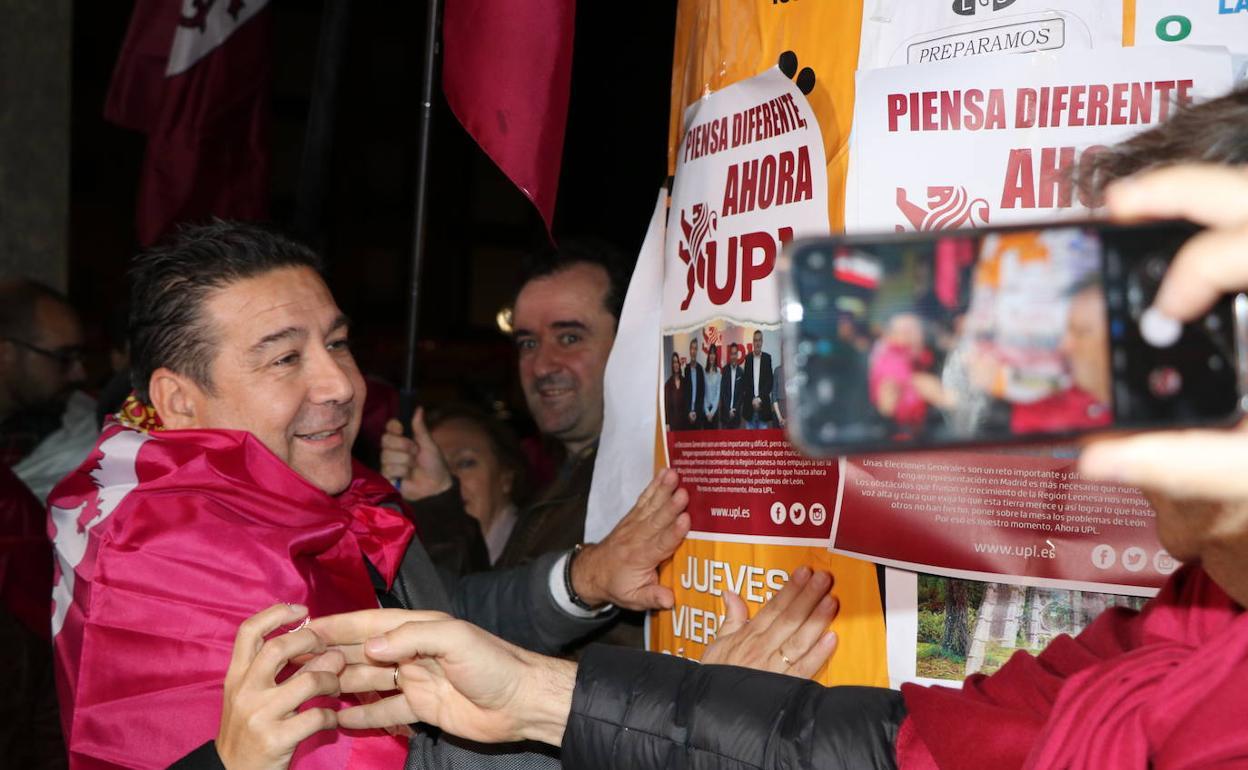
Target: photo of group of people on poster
[723,376]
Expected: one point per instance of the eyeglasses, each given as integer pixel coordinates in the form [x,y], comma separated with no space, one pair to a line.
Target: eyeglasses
[66,356]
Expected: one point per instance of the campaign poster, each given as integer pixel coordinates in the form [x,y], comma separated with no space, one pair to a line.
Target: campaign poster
[989,320]
[750,177]
[964,144]
[899,33]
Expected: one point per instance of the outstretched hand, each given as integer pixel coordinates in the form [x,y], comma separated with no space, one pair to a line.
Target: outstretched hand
[624,568]
[414,462]
[450,674]
[789,635]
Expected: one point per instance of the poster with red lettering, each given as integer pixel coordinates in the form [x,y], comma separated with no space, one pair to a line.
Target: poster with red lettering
[751,175]
[968,143]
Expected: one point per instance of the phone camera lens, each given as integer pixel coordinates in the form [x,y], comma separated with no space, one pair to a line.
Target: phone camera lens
[1213,323]
[1164,382]
[815,260]
[1155,268]
[1158,329]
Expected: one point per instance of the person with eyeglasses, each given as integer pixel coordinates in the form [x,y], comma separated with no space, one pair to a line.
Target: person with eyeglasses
[47,425]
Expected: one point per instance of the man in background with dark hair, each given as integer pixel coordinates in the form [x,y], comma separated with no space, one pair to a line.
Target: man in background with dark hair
[33,389]
[46,424]
[228,485]
[695,392]
[732,389]
[564,319]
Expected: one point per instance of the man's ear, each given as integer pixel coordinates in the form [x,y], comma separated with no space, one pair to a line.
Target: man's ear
[175,399]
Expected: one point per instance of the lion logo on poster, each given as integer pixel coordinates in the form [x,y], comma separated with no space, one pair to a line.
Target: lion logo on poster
[947,208]
[694,245]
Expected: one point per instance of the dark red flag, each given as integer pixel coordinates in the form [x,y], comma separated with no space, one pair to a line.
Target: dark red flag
[165,542]
[506,71]
[194,76]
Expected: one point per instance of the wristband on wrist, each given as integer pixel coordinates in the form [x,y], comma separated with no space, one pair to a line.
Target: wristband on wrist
[567,579]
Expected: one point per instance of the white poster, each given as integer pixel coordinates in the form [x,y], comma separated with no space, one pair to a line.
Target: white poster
[896,33]
[750,176]
[959,144]
[943,629]
[629,422]
[1195,22]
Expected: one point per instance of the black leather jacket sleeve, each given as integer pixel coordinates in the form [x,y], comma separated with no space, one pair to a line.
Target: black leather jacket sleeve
[633,710]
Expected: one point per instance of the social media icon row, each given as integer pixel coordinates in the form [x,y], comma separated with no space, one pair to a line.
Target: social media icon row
[1134,559]
[798,514]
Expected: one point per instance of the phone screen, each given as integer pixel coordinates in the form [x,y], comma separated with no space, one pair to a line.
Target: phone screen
[992,336]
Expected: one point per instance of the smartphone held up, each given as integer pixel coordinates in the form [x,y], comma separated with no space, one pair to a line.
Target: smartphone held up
[997,336]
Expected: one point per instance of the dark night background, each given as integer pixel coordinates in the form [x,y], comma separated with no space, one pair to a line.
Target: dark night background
[479,225]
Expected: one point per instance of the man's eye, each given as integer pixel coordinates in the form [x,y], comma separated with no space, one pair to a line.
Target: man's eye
[569,338]
[339,345]
[290,359]
[526,343]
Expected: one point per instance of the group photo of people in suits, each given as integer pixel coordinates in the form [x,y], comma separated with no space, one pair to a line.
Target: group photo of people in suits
[723,376]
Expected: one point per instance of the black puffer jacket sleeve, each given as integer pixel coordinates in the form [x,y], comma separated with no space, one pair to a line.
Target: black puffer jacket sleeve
[633,710]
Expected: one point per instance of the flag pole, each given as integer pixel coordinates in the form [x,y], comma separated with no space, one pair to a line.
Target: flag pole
[407,396]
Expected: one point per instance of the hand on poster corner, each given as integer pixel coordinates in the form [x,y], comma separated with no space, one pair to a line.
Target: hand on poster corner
[415,462]
[1205,464]
[260,727]
[449,673]
[623,569]
[789,635]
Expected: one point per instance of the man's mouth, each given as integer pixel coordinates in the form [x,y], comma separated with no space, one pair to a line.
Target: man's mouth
[324,438]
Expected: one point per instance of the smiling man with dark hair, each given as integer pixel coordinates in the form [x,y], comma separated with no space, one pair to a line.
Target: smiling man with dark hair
[228,485]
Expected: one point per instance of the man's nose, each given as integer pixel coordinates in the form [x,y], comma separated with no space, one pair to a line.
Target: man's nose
[547,359]
[76,373]
[330,380]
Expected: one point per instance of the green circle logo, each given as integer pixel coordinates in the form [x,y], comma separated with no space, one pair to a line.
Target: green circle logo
[1173,28]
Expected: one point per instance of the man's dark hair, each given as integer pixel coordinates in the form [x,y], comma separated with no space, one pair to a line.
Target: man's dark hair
[1215,131]
[19,298]
[588,251]
[170,282]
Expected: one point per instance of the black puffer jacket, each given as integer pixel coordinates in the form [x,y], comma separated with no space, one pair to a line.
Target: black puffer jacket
[635,711]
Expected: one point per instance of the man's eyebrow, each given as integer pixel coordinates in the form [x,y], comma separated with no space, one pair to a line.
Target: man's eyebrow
[281,335]
[557,325]
[341,322]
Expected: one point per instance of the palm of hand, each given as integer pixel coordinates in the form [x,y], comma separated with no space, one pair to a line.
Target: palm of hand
[464,700]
